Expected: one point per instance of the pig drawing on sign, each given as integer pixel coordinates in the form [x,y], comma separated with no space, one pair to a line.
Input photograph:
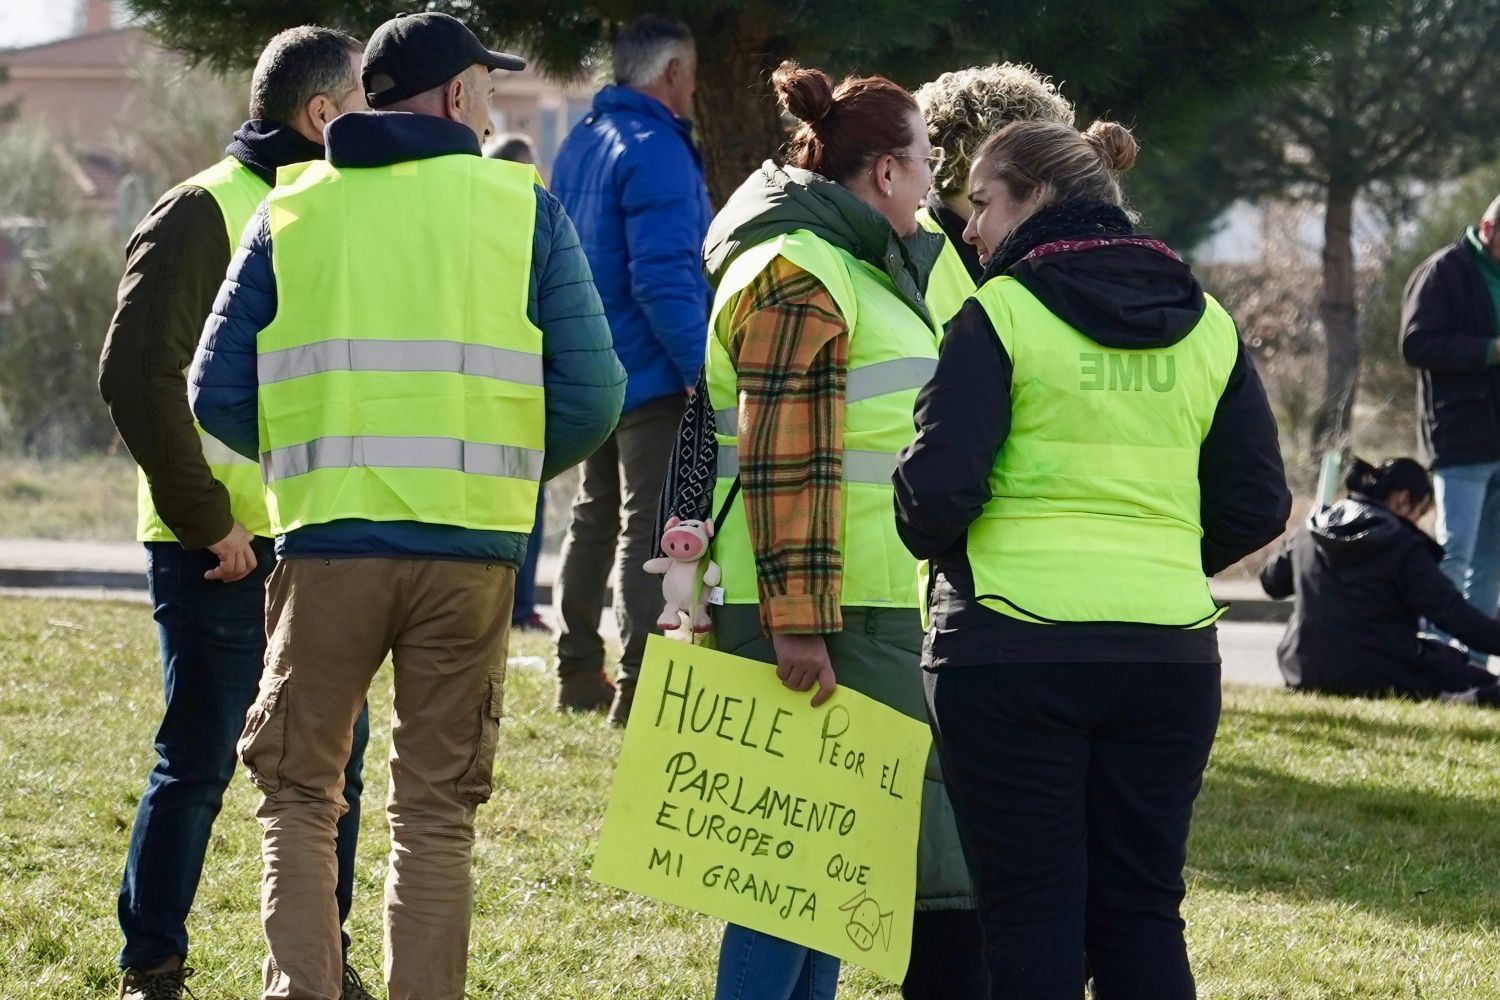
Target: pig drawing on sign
[686,545]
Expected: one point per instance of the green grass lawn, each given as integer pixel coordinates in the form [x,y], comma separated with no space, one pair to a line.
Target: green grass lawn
[91,498]
[1342,849]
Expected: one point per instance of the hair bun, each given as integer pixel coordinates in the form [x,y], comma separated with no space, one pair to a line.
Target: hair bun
[1361,477]
[1114,144]
[806,94]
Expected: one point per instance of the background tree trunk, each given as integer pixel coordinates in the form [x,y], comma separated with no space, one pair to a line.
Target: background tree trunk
[738,122]
[1340,316]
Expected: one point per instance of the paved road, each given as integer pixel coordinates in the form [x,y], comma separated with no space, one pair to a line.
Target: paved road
[1249,652]
[1249,648]
[42,563]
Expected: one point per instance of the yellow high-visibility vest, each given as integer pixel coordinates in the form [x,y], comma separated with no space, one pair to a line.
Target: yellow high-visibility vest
[892,354]
[401,379]
[950,285]
[1094,509]
[238,191]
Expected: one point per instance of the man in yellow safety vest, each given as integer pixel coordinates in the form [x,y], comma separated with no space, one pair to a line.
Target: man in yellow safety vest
[410,342]
[202,507]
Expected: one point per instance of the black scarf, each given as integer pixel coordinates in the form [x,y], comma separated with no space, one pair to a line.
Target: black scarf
[1068,220]
[265,145]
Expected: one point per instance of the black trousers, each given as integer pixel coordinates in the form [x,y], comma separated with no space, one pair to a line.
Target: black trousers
[1445,670]
[1073,785]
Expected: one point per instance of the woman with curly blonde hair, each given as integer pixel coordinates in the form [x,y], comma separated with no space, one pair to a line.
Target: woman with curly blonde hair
[962,109]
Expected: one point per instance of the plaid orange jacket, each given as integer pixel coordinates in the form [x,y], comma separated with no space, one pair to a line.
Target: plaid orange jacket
[790,350]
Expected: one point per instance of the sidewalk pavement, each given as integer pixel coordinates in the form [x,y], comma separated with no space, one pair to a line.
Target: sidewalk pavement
[117,571]
[33,563]
[120,567]
[42,563]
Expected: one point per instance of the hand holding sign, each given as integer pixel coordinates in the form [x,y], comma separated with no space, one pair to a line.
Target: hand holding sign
[802,661]
[737,799]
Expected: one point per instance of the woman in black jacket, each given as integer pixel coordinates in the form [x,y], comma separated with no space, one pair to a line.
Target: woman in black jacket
[1093,443]
[1364,576]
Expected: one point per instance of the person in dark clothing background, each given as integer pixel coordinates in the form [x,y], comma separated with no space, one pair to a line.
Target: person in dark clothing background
[1364,575]
[1093,444]
[1449,334]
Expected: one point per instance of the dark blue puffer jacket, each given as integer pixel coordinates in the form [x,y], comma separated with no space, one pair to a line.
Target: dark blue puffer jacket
[632,182]
[584,382]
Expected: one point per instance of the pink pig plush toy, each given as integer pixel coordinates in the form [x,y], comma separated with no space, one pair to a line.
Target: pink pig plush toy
[685,544]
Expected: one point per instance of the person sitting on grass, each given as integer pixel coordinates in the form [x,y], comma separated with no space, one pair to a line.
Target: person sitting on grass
[1364,575]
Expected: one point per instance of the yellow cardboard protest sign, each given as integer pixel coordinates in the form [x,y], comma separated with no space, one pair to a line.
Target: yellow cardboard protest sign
[736,798]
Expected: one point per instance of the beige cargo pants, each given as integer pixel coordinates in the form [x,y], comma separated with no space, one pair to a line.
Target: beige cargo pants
[330,625]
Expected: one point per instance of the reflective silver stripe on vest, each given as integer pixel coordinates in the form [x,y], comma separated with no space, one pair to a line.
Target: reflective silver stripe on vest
[216,452]
[402,453]
[884,377]
[400,356]
[869,467]
[859,466]
[728,461]
[879,379]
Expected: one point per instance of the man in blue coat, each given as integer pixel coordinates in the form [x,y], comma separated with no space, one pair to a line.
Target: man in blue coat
[632,181]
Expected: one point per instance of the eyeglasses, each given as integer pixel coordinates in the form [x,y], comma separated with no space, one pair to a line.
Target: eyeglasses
[935,159]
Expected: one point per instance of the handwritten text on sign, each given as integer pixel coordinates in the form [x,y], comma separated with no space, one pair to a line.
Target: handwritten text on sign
[734,797]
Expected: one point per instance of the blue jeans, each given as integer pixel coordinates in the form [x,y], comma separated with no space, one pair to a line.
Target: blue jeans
[526,575]
[213,642]
[756,966]
[1468,529]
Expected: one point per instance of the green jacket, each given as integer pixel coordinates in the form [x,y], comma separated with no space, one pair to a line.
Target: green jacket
[775,201]
[1490,272]
[876,654]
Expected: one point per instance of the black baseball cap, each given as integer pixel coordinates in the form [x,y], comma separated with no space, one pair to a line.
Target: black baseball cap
[412,53]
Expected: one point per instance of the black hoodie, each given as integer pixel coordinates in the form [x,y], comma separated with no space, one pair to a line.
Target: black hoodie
[1124,294]
[1363,578]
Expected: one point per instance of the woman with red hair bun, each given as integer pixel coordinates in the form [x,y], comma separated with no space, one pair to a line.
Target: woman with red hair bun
[819,339]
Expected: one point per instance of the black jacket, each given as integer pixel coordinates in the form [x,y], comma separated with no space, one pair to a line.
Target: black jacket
[1447,326]
[1362,578]
[1127,297]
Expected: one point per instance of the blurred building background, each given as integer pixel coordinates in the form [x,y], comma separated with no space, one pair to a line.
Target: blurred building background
[85,87]
[96,120]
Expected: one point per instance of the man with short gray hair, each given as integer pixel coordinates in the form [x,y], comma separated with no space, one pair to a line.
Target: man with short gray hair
[632,180]
[644,50]
[202,510]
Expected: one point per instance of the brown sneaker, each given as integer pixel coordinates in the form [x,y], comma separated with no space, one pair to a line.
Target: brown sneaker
[584,693]
[166,985]
[619,712]
[354,987]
